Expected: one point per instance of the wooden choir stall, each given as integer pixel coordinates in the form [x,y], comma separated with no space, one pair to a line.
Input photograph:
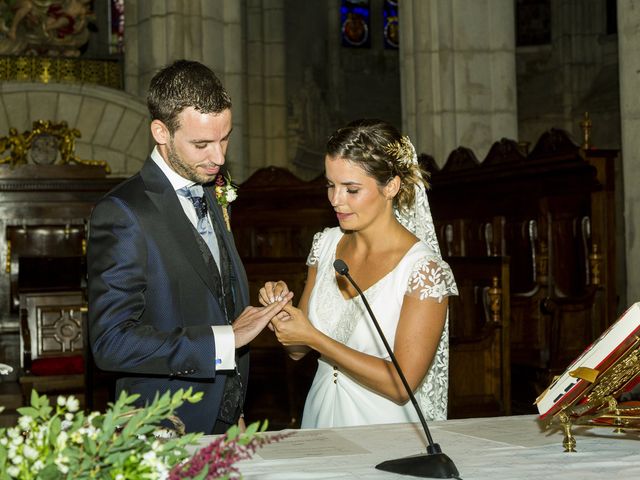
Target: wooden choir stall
[551,215]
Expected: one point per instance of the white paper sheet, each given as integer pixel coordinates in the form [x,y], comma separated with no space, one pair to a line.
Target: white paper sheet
[308,444]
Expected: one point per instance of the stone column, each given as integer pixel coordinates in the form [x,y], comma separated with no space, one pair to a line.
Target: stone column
[458,75]
[629,61]
[266,99]
[209,31]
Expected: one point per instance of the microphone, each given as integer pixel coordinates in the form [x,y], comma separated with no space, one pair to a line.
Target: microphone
[433,464]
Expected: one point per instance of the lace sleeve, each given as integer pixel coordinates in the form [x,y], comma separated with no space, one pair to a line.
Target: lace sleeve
[314,254]
[431,277]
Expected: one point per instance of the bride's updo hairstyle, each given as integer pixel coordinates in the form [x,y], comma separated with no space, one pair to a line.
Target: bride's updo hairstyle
[380,150]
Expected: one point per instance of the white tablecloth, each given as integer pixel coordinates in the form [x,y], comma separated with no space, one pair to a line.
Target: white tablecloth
[481,448]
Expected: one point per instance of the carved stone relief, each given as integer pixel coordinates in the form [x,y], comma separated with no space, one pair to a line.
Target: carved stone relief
[44,27]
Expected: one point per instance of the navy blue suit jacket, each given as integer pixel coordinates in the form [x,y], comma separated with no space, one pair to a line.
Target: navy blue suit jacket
[151,298]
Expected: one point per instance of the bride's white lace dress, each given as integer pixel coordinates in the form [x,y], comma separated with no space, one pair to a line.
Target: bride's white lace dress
[335,399]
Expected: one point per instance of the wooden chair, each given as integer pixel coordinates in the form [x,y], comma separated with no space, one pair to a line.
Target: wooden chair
[479,350]
[53,344]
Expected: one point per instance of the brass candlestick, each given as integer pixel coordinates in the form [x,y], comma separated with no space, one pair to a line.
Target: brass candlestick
[586,125]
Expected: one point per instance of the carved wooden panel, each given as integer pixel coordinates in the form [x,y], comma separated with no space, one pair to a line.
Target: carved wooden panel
[52,331]
[55,323]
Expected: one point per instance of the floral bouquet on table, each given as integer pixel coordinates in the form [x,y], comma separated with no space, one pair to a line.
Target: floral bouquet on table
[62,442]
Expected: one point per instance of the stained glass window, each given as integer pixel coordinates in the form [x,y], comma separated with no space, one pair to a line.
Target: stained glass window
[390,19]
[116,39]
[354,21]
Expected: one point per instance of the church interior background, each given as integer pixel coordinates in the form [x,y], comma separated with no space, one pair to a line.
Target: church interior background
[451,75]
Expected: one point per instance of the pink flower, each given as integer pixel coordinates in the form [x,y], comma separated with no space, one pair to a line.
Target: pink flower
[220,456]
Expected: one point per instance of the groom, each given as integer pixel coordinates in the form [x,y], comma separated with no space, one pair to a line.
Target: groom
[168,294]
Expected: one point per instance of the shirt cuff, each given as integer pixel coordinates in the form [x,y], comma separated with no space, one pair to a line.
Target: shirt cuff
[225,343]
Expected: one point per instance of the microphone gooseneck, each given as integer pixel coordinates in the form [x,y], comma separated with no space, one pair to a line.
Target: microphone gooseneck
[433,465]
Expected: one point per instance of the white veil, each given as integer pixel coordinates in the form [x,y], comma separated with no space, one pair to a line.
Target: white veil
[417,218]
[432,394]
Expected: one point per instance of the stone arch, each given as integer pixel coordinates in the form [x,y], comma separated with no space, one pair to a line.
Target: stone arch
[114,124]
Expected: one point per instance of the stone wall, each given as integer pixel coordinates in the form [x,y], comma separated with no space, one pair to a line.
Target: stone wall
[576,72]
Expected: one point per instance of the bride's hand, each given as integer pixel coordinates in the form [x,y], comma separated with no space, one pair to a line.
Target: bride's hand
[282,316]
[296,329]
[272,292]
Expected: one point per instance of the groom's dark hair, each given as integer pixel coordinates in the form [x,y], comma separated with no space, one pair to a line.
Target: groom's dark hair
[183,84]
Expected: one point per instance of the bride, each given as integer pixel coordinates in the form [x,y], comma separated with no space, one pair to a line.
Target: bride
[387,238]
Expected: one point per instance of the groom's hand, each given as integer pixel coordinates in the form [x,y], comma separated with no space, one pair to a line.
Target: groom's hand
[253,319]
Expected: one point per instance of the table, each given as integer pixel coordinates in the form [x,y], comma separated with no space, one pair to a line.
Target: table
[512,448]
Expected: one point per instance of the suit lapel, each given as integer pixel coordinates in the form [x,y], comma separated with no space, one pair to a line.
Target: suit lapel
[239,273]
[163,196]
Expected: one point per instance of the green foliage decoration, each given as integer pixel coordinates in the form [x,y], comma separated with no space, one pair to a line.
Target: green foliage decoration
[60,441]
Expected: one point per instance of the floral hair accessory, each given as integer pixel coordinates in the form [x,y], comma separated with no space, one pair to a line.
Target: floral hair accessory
[226,192]
[403,152]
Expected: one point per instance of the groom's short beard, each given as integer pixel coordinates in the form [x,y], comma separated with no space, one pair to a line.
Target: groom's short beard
[182,168]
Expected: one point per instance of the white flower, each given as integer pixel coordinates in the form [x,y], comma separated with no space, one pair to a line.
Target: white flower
[90,431]
[61,441]
[38,465]
[29,453]
[62,401]
[16,460]
[151,459]
[73,404]
[231,195]
[25,422]
[13,471]
[60,462]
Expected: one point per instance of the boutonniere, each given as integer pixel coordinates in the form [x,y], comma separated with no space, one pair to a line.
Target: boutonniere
[226,192]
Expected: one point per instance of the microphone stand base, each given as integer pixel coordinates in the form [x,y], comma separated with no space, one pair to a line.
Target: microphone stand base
[429,465]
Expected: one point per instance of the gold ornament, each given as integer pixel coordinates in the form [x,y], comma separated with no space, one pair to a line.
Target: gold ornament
[402,151]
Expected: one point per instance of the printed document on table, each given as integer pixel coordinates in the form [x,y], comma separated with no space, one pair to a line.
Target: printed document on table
[310,443]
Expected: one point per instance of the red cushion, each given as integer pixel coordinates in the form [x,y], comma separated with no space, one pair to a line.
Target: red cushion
[58,365]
